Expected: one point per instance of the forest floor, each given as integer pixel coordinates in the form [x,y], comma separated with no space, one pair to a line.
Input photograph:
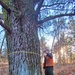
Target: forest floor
[68,69]
[4,68]
[58,69]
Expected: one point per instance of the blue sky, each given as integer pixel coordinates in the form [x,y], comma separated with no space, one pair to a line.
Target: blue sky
[0,9]
[2,33]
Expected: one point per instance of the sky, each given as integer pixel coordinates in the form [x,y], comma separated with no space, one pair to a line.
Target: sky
[48,38]
[2,33]
[49,41]
[0,9]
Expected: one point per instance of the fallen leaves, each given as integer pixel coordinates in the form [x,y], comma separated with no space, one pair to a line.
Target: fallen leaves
[64,69]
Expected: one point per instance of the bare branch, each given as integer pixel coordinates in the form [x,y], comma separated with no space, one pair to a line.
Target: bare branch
[1,31]
[4,26]
[38,9]
[56,16]
[35,2]
[5,7]
[52,4]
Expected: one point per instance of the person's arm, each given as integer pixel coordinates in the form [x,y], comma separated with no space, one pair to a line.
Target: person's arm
[50,55]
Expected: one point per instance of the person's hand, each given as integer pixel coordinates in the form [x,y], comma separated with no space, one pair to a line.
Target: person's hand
[44,54]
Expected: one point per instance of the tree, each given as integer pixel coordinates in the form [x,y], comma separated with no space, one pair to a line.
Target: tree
[21,21]
[42,43]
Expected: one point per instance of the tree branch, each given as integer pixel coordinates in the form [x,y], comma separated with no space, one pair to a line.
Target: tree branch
[1,31]
[52,4]
[5,7]
[56,16]
[35,1]
[38,9]
[4,26]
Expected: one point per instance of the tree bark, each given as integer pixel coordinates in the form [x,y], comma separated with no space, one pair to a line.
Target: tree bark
[23,42]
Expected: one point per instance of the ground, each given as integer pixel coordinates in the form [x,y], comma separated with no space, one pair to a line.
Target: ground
[3,68]
[68,69]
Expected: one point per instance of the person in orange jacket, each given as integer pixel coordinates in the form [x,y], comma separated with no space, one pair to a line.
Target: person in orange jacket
[48,62]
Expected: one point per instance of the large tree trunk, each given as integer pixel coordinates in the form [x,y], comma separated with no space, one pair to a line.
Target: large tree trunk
[23,43]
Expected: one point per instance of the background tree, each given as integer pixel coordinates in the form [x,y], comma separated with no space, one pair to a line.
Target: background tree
[42,43]
[64,46]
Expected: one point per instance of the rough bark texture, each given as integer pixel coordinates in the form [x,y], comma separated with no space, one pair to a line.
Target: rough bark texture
[23,43]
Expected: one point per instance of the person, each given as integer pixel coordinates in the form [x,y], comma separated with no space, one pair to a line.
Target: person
[48,63]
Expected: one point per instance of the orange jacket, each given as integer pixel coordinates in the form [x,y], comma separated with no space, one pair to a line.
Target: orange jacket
[49,62]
